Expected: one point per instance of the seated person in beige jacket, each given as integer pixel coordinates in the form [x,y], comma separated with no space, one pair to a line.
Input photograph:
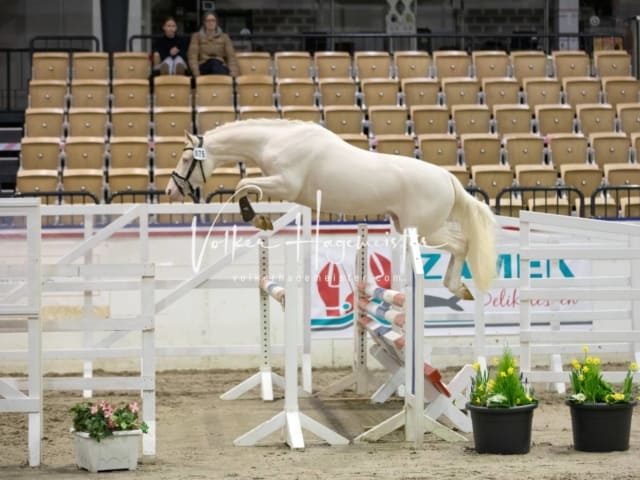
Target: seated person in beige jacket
[211,51]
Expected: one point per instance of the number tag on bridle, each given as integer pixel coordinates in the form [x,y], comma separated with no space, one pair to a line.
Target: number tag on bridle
[199,153]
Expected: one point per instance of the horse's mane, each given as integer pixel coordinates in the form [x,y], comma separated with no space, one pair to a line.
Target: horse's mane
[264,122]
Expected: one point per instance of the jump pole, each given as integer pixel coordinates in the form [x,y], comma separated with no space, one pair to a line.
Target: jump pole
[291,420]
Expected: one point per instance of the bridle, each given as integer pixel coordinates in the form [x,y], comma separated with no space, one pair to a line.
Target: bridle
[183,183]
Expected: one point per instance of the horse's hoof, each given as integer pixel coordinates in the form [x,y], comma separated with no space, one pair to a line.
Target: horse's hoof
[262,223]
[465,294]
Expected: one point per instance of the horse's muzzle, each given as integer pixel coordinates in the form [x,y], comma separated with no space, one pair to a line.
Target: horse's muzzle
[172,191]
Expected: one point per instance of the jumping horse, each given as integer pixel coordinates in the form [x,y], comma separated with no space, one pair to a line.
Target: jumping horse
[298,159]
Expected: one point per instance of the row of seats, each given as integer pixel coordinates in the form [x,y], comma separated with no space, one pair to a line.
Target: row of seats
[260,90]
[376,120]
[363,64]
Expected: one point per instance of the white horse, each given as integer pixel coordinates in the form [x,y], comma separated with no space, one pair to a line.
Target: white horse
[298,159]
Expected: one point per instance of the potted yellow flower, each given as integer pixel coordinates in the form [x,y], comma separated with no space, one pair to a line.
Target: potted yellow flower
[501,408]
[600,414]
[107,437]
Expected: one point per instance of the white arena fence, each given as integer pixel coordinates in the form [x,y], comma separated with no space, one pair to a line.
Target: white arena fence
[120,294]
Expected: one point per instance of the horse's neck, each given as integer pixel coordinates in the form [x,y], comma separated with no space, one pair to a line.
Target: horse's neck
[232,145]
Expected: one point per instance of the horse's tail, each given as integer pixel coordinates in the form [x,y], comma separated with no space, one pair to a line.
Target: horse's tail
[479,229]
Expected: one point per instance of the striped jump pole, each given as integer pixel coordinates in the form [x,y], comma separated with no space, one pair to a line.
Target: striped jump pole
[399,346]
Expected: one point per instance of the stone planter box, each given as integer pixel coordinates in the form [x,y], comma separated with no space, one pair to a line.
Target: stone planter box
[117,452]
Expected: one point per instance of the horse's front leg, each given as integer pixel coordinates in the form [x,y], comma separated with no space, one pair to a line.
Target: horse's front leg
[272,186]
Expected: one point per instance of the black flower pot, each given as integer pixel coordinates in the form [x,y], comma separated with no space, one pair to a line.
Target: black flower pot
[600,427]
[503,431]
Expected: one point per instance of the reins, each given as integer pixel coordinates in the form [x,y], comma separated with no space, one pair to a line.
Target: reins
[199,156]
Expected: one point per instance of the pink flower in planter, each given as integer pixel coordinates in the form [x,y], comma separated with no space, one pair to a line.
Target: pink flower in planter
[134,407]
[94,409]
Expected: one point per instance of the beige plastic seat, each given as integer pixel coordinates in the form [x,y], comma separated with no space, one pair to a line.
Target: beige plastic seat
[172,91]
[36,180]
[343,119]
[88,122]
[451,63]
[567,148]
[128,185]
[512,118]
[460,91]
[131,65]
[372,64]
[493,179]
[471,119]
[50,66]
[387,120]
[609,147]
[528,64]
[635,145]
[291,64]
[129,152]
[337,91]
[611,63]
[490,63]
[621,90]
[296,92]
[481,149]
[84,180]
[47,94]
[89,94]
[581,90]
[404,145]
[130,93]
[380,91]
[439,149]
[500,91]
[214,91]
[329,64]
[585,177]
[130,122]
[44,122]
[254,63]
[623,174]
[571,63]
[171,121]
[523,149]
[208,118]
[628,117]
[542,91]
[358,140]
[595,117]
[554,118]
[40,153]
[309,113]
[90,66]
[167,151]
[418,91]
[430,119]
[412,64]
[254,91]
[84,152]
[539,175]
[246,113]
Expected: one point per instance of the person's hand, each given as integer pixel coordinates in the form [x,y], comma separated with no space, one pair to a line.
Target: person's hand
[174,51]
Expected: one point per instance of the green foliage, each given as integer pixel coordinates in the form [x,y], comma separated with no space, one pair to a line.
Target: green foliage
[101,419]
[589,386]
[506,389]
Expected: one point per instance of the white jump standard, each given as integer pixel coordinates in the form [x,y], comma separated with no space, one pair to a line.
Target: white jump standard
[291,420]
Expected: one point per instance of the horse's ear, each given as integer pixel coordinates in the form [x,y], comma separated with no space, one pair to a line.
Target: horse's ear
[190,138]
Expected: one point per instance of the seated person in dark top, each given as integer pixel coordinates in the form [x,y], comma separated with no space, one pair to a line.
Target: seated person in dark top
[170,51]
